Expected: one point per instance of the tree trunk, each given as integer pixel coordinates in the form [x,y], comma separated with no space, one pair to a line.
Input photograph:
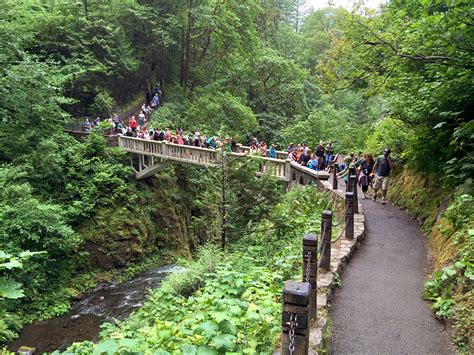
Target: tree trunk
[187,47]
[223,203]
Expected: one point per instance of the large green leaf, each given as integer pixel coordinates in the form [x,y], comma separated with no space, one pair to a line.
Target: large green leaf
[106,347]
[10,289]
[224,342]
[208,329]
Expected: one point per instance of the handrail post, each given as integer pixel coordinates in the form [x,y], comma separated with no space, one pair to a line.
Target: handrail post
[349,212]
[310,269]
[164,147]
[352,170]
[334,179]
[353,179]
[349,184]
[326,235]
[288,169]
[295,319]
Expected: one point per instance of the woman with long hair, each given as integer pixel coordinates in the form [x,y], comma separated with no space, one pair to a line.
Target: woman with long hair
[365,169]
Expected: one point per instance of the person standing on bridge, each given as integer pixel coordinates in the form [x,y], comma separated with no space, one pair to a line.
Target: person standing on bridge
[320,154]
[272,152]
[381,171]
[87,126]
[329,153]
[133,123]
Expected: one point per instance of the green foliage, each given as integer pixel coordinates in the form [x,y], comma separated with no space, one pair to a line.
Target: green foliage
[416,53]
[103,105]
[451,288]
[234,304]
[300,212]
[10,323]
[232,199]
[222,113]
[391,133]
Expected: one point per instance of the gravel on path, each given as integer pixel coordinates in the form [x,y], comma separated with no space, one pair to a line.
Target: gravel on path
[379,308]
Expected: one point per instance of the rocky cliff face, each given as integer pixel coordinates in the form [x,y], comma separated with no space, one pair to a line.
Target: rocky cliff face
[121,234]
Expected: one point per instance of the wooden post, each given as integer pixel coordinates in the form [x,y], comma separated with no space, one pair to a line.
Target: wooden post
[326,235]
[334,179]
[310,269]
[354,191]
[352,171]
[349,222]
[295,319]
[349,185]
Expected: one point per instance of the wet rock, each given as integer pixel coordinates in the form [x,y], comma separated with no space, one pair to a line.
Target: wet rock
[420,220]
[442,207]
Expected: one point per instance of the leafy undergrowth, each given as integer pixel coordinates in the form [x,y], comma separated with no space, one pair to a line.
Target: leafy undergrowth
[224,302]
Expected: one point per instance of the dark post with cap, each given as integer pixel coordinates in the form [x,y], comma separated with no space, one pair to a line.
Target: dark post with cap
[349,223]
[295,318]
[326,235]
[352,170]
[349,182]
[354,191]
[334,179]
[310,269]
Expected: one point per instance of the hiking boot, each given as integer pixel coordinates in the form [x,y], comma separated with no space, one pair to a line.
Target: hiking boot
[384,202]
[374,198]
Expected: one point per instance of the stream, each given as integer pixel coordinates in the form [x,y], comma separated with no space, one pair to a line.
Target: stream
[82,322]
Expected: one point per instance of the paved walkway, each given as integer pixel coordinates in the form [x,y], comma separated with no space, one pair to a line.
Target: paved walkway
[379,308]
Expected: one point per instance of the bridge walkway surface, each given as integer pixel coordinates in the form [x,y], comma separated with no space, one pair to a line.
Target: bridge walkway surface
[380,308]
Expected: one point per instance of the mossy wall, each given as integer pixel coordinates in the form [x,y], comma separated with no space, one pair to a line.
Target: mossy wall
[424,199]
[160,221]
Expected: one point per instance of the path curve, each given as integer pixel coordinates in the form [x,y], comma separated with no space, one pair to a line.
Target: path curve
[379,308]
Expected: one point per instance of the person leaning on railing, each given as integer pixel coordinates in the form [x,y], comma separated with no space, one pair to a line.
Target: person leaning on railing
[344,174]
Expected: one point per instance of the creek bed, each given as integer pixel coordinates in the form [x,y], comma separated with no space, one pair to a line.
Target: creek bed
[105,304]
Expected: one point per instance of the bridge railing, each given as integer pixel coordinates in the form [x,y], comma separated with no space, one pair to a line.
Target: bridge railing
[277,167]
[166,150]
[282,169]
[244,149]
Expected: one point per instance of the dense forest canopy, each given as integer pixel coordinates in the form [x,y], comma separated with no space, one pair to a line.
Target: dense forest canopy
[400,76]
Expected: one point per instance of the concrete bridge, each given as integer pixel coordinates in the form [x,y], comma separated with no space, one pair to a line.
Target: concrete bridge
[147,157]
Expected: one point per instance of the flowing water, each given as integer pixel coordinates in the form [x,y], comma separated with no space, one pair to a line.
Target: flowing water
[82,322]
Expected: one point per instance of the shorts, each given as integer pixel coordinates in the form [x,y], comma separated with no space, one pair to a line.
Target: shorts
[381,182]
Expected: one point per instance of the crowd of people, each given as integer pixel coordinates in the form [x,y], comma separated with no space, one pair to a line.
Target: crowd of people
[370,172]
[319,159]
[134,123]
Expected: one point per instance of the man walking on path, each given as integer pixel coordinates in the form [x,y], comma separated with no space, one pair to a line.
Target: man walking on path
[381,171]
